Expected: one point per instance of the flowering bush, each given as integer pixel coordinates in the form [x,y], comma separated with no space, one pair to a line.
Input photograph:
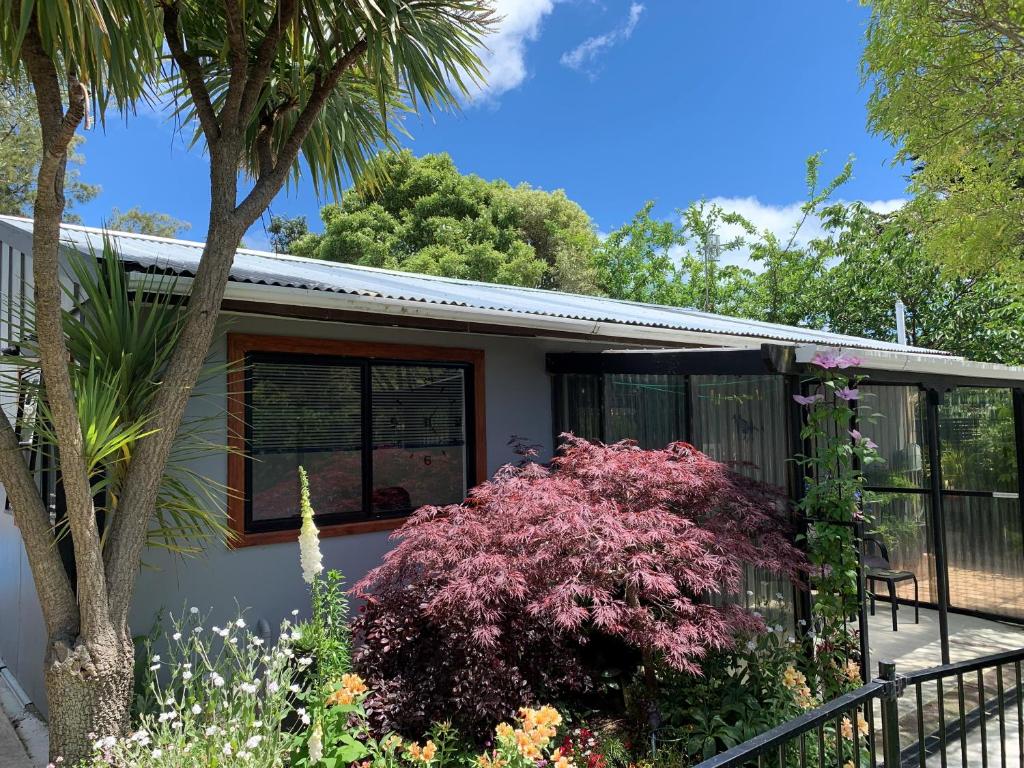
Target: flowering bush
[745,691]
[326,637]
[832,506]
[222,697]
[547,578]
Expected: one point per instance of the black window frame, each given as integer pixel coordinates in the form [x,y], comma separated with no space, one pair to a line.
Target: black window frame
[366,365]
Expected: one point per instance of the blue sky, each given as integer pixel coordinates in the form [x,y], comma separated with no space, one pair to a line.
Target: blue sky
[615,101]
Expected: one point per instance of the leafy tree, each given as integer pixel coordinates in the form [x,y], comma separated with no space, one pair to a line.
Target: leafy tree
[546,578]
[876,262]
[285,231]
[647,260]
[947,83]
[272,88]
[146,223]
[21,147]
[424,216]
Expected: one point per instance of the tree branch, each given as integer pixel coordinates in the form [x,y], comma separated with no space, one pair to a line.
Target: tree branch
[58,129]
[189,66]
[284,14]
[238,57]
[268,184]
[56,597]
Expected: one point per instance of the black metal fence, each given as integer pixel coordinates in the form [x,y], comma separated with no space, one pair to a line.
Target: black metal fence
[965,714]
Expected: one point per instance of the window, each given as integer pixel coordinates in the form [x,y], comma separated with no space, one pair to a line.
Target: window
[381,430]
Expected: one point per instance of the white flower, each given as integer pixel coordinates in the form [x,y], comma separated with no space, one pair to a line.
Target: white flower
[294,688]
[106,742]
[257,724]
[227,749]
[222,632]
[750,593]
[211,730]
[165,716]
[309,536]
[295,612]
[240,622]
[157,754]
[303,715]
[305,661]
[197,630]
[778,628]
[256,640]
[316,745]
[217,680]
[243,755]
[253,741]
[156,657]
[233,640]
[296,635]
[193,610]
[196,709]
[751,645]
[176,636]
[186,675]
[154,667]
[272,686]
[249,688]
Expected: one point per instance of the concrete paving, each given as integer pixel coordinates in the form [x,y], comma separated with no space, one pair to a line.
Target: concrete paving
[12,751]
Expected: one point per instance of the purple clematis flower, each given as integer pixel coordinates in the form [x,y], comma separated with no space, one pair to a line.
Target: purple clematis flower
[867,442]
[828,360]
[809,400]
[846,393]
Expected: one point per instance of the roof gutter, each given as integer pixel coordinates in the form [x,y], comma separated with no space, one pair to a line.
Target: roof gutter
[909,362]
[376,304]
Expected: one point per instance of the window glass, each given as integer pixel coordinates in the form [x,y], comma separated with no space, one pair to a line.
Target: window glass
[741,420]
[979,451]
[305,413]
[648,408]
[419,436]
[303,410]
[894,417]
[580,405]
[983,547]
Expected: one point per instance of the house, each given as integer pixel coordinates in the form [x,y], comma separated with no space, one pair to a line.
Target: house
[397,390]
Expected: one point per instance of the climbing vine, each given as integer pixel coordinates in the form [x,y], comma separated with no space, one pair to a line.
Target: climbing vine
[831,505]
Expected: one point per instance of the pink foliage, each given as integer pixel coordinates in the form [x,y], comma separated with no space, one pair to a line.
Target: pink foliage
[636,546]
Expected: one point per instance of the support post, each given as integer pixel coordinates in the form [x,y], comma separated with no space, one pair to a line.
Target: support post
[934,398]
[890,715]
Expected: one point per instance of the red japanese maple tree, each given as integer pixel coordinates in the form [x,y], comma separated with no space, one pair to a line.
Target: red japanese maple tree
[503,598]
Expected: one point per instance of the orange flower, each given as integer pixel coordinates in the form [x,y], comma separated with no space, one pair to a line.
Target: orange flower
[429,750]
[492,760]
[422,754]
[353,683]
[846,728]
[852,671]
[351,687]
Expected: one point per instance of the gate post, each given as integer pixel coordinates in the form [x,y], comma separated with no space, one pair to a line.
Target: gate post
[890,715]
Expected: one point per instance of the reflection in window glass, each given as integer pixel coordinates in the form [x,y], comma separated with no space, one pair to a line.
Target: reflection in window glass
[305,414]
[419,436]
[646,408]
[978,444]
[741,420]
[902,521]
[894,417]
[983,547]
[580,406]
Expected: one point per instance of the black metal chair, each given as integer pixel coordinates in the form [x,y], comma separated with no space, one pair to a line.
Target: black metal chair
[877,567]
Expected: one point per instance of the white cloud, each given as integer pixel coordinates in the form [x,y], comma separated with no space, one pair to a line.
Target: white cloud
[504,55]
[583,57]
[779,220]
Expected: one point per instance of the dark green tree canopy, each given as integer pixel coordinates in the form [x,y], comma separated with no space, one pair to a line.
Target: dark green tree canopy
[424,216]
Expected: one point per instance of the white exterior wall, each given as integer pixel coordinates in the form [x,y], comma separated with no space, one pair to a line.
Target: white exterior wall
[266,579]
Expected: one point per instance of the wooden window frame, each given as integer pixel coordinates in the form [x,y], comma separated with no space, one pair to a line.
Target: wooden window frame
[240,345]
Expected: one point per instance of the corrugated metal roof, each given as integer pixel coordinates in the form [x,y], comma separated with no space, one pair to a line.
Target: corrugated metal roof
[181,257]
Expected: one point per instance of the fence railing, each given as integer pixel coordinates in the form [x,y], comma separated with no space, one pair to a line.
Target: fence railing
[965,714]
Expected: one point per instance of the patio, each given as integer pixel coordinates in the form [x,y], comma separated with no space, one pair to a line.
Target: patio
[917,646]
